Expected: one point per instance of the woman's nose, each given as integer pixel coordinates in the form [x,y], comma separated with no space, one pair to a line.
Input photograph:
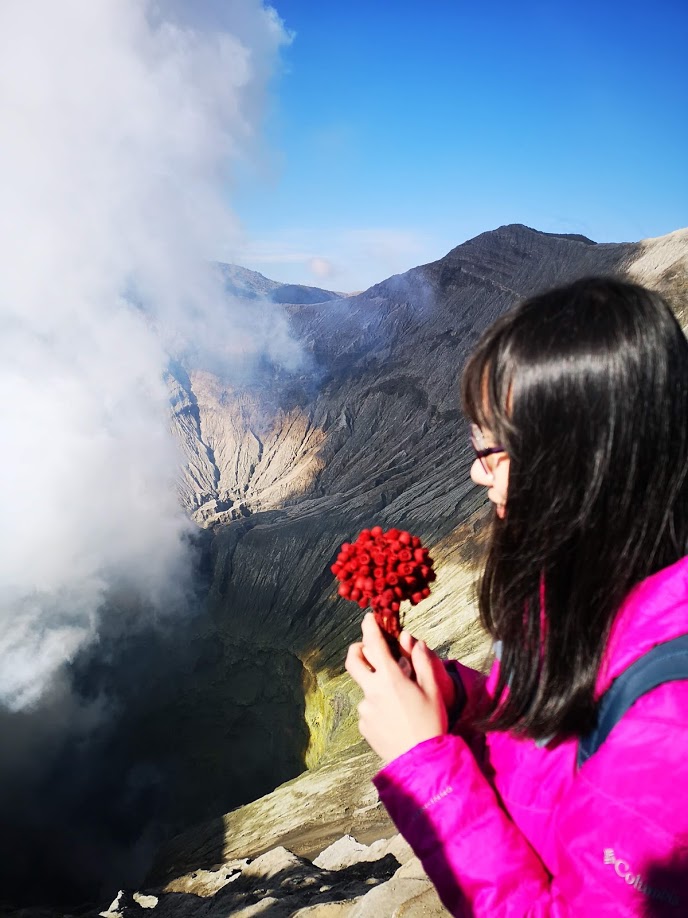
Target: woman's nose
[479,476]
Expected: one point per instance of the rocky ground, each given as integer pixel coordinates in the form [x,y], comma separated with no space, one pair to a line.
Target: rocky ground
[348,880]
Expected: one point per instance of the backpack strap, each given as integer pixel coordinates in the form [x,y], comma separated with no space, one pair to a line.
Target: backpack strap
[667,662]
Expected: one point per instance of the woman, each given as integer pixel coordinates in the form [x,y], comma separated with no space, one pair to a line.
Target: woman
[579,399]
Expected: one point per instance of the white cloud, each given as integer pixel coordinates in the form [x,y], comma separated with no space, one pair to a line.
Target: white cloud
[322,267]
[120,119]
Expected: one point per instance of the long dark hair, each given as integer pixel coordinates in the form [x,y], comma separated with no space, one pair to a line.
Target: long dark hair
[586,387]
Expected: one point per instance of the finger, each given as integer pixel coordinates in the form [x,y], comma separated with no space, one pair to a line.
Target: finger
[376,648]
[405,667]
[407,642]
[423,665]
[357,665]
[363,714]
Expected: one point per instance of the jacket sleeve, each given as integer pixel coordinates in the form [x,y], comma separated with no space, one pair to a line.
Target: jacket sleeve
[471,691]
[621,830]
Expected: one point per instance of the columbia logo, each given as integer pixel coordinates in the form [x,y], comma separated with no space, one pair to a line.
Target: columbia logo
[621,869]
[440,796]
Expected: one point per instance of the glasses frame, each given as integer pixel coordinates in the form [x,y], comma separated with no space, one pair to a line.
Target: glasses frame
[482,451]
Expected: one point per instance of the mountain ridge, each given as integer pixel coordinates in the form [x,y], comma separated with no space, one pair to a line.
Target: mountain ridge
[247,284]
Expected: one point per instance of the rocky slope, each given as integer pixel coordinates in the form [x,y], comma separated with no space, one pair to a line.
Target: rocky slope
[368,432]
[372,433]
[279,472]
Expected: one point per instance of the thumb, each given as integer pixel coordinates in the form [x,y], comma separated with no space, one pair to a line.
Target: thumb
[421,659]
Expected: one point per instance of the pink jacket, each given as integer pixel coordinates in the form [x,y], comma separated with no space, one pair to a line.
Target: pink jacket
[515,830]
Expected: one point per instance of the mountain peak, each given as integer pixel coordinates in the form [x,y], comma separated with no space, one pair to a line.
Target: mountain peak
[520,228]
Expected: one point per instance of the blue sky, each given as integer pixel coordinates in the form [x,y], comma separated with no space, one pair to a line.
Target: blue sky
[399,130]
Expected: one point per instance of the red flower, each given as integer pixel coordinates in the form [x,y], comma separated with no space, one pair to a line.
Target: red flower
[401,569]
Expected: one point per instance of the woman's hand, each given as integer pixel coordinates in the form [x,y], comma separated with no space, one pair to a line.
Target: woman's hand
[444,680]
[397,712]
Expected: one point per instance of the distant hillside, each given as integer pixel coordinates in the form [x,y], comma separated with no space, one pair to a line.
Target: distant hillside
[251,285]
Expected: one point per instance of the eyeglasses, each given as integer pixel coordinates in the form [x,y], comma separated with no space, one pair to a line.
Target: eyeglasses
[482,451]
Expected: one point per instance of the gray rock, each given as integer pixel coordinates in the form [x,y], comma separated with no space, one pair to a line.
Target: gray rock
[342,853]
[346,851]
[326,910]
[387,898]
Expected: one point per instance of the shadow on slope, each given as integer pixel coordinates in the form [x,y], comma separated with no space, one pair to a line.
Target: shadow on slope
[148,731]
[283,882]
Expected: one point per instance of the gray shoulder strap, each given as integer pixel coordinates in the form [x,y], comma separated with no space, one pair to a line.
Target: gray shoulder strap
[667,662]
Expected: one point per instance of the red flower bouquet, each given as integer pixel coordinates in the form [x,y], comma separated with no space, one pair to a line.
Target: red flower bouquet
[381,570]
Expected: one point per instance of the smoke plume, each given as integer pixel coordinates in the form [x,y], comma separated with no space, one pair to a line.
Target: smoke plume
[120,123]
